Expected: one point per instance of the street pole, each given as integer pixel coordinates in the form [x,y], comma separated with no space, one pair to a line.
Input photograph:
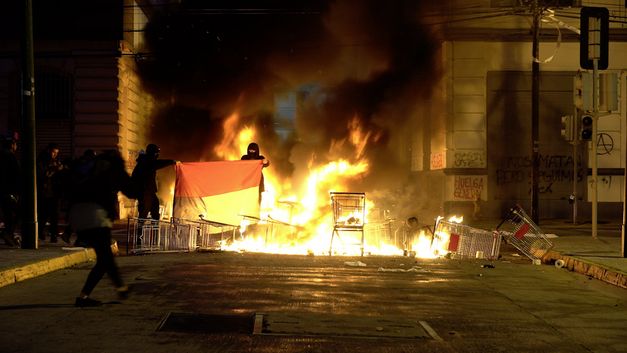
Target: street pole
[535,112]
[593,142]
[29,180]
[623,243]
[575,164]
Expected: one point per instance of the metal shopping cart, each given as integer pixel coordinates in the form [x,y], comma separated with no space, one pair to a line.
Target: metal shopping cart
[349,215]
[463,241]
[521,232]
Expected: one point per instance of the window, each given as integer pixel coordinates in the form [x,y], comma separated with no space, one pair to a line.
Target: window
[552,3]
[53,96]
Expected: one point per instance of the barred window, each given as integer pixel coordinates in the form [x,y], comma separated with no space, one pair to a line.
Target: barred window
[53,96]
[553,3]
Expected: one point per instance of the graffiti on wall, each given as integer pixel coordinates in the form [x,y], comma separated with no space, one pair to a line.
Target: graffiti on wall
[468,187]
[469,159]
[609,188]
[438,160]
[552,169]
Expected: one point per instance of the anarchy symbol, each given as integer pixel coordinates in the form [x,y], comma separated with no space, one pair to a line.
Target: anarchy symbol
[605,144]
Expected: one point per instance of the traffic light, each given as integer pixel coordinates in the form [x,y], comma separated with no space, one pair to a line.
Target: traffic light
[594,37]
[582,91]
[586,127]
[567,130]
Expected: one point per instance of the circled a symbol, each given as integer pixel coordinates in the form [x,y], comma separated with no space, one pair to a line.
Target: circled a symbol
[605,144]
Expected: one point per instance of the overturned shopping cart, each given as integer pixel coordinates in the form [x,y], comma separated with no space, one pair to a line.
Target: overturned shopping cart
[521,232]
[462,241]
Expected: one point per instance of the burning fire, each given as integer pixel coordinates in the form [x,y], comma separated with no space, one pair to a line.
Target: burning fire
[298,219]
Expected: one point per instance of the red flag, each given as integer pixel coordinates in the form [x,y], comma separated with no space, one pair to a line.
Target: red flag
[221,191]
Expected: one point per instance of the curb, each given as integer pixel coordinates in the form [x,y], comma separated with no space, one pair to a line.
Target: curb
[18,274]
[605,274]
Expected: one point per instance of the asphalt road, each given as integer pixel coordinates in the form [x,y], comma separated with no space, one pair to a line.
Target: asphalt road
[231,302]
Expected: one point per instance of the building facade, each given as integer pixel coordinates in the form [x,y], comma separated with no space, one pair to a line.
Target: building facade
[88,94]
[478,149]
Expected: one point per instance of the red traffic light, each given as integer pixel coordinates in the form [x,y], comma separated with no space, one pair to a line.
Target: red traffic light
[586,127]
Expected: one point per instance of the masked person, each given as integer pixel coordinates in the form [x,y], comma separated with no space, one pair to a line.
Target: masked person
[93,208]
[9,189]
[253,154]
[48,191]
[145,180]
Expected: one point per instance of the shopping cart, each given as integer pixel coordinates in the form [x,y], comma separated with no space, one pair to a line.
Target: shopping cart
[349,214]
[463,241]
[522,233]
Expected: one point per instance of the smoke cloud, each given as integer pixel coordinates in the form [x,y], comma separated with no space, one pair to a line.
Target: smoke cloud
[348,60]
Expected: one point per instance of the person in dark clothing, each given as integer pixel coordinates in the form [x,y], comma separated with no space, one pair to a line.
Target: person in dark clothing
[48,193]
[9,190]
[145,180]
[253,154]
[80,166]
[94,206]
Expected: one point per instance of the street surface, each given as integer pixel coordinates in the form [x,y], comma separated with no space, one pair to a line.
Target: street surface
[213,302]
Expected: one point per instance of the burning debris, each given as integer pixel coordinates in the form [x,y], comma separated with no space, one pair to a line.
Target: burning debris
[353,74]
[332,92]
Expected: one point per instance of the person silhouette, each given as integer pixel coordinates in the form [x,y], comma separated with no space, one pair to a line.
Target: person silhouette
[252,153]
[10,183]
[144,178]
[93,207]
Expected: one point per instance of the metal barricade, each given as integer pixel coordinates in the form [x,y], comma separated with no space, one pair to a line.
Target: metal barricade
[378,234]
[176,234]
[463,241]
[181,237]
[521,232]
[212,235]
[146,235]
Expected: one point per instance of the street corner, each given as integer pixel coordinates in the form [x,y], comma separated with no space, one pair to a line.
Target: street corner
[593,270]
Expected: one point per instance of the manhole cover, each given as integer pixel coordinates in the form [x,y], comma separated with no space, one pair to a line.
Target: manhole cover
[343,326]
[207,323]
[302,324]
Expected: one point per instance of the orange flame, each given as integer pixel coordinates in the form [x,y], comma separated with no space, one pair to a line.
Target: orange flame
[297,218]
[234,141]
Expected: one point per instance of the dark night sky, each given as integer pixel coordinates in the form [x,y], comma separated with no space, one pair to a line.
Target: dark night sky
[367,58]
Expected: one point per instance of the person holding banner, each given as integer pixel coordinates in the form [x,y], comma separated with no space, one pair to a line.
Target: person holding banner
[144,178]
[253,154]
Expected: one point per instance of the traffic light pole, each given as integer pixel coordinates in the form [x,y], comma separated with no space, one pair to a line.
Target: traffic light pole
[594,54]
[535,113]
[595,120]
[575,145]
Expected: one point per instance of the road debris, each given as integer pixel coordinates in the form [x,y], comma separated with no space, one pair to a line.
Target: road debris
[413,269]
[355,264]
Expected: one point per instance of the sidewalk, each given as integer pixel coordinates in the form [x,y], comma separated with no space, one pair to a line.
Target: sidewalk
[597,258]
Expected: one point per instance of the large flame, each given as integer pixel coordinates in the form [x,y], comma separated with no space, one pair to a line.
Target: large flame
[297,218]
